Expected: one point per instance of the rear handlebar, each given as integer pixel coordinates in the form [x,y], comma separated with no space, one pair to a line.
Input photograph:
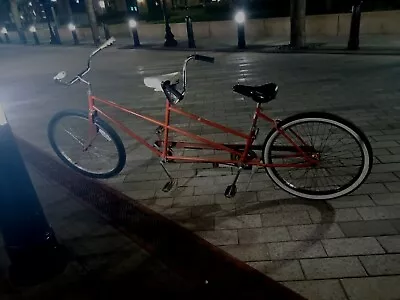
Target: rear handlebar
[169,89]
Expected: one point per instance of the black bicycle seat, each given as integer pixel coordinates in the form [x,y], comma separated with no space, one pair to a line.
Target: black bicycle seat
[260,94]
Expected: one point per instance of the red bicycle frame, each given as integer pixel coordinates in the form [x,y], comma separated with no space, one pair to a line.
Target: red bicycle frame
[234,149]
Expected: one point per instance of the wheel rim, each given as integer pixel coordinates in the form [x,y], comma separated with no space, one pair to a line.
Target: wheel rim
[70,135]
[343,158]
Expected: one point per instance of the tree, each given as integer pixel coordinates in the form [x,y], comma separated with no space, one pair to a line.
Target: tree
[297,23]
[17,20]
[93,21]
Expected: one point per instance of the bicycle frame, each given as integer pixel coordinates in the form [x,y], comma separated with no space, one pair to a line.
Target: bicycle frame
[243,158]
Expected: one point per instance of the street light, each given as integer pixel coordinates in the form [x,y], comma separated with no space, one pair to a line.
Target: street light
[49,11]
[6,36]
[133,27]
[72,28]
[169,36]
[102,5]
[32,29]
[240,19]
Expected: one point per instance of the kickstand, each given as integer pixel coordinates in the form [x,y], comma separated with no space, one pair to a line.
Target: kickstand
[254,170]
[169,185]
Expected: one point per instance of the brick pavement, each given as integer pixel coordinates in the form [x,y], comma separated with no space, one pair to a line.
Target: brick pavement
[342,249]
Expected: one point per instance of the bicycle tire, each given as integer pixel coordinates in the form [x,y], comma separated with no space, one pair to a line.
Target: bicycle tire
[333,120]
[106,130]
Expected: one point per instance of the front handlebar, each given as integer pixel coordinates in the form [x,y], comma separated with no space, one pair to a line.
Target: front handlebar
[78,77]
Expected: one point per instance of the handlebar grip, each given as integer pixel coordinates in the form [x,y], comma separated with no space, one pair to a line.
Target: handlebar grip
[170,89]
[204,58]
[107,43]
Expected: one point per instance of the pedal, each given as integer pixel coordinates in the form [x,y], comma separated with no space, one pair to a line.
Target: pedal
[159,130]
[230,191]
[168,186]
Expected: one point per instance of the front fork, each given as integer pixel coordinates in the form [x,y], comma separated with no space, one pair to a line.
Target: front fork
[93,129]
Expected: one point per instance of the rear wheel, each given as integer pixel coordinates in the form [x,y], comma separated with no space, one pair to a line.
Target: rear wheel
[104,156]
[342,151]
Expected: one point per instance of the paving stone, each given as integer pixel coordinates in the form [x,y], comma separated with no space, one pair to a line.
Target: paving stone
[248,252]
[352,246]
[273,195]
[372,288]
[384,168]
[351,201]
[367,228]
[387,199]
[394,150]
[263,235]
[315,231]
[280,270]
[214,210]
[295,250]
[388,264]
[177,213]
[220,237]
[380,212]
[193,200]
[198,224]
[389,158]
[142,176]
[297,204]
[393,186]
[318,289]
[333,267]
[245,221]
[336,215]
[390,243]
[371,188]
[381,177]
[141,195]
[285,218]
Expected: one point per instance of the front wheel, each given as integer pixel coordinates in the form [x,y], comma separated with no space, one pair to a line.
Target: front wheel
[341,151]
[94,150]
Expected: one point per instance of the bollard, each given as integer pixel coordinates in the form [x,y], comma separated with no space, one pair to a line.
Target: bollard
[133,26]
[34,33]
[190,34]
[72,28]
[6,36]
[240,19]
[29,240]
[354,38]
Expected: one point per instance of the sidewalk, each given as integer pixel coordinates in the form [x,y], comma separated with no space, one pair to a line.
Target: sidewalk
[369,45]
[129,250]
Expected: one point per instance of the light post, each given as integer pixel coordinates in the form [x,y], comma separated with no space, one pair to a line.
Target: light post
[32,29]
[102,5]
[56,25]
[133,27]
[54,36]
[354,38]
[169,36]
[72,28]
[240,18]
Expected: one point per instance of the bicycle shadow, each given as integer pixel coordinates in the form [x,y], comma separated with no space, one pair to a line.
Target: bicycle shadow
[300,247]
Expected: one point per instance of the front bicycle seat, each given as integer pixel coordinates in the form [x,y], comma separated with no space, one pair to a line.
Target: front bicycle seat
[260,94]
[155,82]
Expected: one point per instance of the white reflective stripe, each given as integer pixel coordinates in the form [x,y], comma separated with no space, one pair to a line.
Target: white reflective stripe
[3,119]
